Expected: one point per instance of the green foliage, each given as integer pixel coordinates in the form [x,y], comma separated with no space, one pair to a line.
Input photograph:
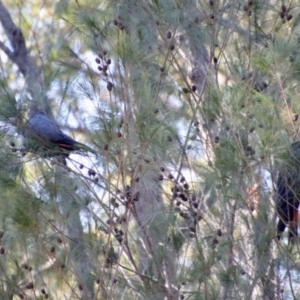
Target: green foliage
[8,107]
[191,107]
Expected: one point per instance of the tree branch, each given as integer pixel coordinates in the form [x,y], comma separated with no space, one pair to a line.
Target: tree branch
[21,57]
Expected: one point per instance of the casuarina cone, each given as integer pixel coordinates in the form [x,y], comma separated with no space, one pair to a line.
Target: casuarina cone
[43,135]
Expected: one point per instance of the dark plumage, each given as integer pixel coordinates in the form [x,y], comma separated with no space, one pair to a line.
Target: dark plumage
[43,135]
[288,193]
[287,205]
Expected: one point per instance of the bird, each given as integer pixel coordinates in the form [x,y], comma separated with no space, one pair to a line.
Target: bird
[42,135]
[288,194]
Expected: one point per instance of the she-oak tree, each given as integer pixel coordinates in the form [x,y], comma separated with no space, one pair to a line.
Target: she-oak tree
[191,107]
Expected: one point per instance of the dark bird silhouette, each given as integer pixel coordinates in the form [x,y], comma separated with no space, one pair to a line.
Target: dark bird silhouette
[43,135]
[288,194]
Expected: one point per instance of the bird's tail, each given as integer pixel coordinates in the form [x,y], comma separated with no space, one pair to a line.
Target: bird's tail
[82,147]
[293,228]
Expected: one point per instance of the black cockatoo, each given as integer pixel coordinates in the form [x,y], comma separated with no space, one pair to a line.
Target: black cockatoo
[288,193]
[44,136]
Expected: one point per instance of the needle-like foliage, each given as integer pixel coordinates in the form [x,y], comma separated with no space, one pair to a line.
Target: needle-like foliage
[192,108]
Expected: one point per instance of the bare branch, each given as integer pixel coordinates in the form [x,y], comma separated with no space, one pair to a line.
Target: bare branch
[20,55]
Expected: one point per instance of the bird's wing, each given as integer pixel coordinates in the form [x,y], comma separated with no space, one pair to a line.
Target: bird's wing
[42,127]
[288,194]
